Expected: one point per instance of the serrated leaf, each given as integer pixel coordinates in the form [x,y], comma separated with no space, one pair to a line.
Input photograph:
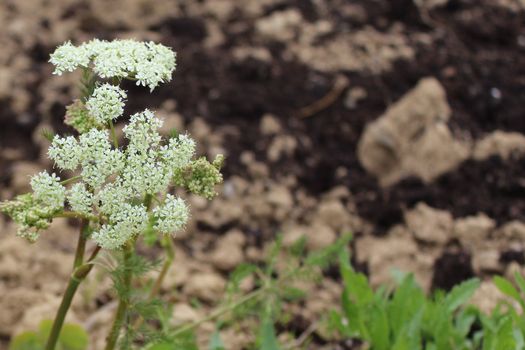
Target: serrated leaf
[293,293]
[460,294]
[268,336]
[379,328]
[520,281]
[73,337]
[507,288]
[505,336]
[26,341]
[356,284]
[216,342]
[241,272]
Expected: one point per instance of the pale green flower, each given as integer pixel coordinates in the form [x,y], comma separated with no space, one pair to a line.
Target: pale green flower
[106,104]
[65,152]
[172,216]
[127,222]
[80,199]
[47,190]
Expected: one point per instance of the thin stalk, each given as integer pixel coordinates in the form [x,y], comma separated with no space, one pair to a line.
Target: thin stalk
[80,271]
[123,304]
[74,215]
[221,311]
[71,179]
[113,133]
[170,255]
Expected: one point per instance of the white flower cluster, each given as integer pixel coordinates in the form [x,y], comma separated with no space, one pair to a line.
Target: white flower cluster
[116,186]
[146,62]
[65,152]
[93,153]
[80,199]
[106,104]
[179,151]
[48,191]
[172,216]
[128,221]
[67,58]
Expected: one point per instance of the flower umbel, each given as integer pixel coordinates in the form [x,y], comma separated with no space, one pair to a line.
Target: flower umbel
[172,216]
[107,103]
[146,62]
[113,184]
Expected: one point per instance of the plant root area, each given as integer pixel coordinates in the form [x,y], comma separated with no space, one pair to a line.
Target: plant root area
[401,123]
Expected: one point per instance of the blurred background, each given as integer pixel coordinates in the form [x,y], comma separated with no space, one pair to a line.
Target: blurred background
[401,121]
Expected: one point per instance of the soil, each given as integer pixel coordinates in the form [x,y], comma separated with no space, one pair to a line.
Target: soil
[248,84]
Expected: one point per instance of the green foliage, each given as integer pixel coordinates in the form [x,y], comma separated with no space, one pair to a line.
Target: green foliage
[273,288]
[267,336]
[406,319]
[216,342]
[72,337]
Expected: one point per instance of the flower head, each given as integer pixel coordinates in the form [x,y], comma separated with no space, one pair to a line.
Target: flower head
[80,199]
[65,152]
[48,191]
[142,131]
[172,216]
[179,151]
[125,223]
[146,62]
[67,58]
[106,103]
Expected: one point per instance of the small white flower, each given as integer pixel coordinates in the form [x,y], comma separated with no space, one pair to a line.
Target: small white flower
[112,196]
[66,58]
[98,159]
[179,152]
[143,174]
[129,221]
[66,152]
[142,131]
[48,191]
[172,216]
[106,103]
[146,62]
[94,144]
[157,67]
[80,199]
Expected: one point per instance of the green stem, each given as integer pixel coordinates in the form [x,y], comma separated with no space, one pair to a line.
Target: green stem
[123,302]
[80,271]
[71,179]
[221,311]
[170,255]
[113,133]
[74,215]
[61,313]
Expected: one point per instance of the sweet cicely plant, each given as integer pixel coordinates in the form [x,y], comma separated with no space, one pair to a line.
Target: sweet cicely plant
[119,192]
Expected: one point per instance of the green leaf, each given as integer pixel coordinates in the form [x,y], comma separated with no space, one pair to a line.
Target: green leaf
[460,294]
[292,293]
[356,284]
[379,328]
[161,346]
[324,257]
[520,281]
[505,336]
[216,342]
[268,336]
[73,337]
[26,341]
[241,272]
[507,288]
